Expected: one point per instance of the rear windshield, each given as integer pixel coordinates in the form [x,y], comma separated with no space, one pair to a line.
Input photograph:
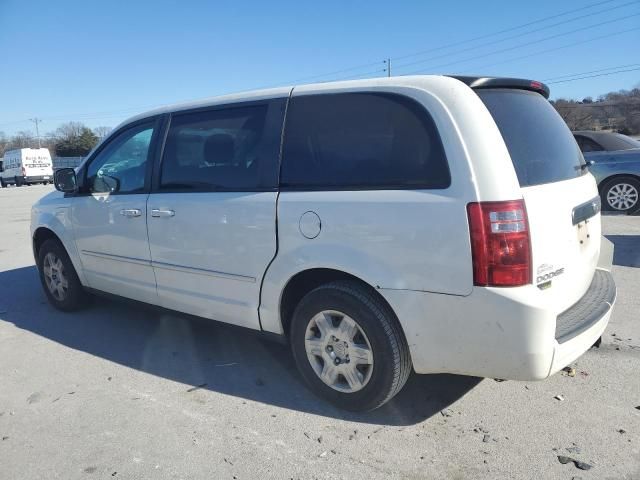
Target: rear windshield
[615,141]
[541,145]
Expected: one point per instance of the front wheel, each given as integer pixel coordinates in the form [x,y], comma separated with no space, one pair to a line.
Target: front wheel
[59,278]
[621,194]
[349,346]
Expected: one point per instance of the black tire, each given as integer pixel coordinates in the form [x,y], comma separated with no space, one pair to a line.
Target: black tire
[17,182]
[2,185]
[391,358]
[617,182]
[75,297]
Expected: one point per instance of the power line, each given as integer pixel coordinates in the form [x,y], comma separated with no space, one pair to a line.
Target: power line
[116,113]
[591,71]
[519,35]
[451,45]
[594,76]
[510,29]
[520,45]
[556,48]
[88,116]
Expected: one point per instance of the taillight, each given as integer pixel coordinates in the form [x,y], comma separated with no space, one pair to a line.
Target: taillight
[24,172]
[500,244]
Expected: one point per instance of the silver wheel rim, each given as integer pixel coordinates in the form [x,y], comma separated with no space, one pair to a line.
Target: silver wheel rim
[54,276]
[622,196]
[339,351]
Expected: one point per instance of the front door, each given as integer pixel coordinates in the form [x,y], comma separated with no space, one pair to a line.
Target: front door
[109,216]
[212,213]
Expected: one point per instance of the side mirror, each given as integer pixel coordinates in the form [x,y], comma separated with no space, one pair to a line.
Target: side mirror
[65,180]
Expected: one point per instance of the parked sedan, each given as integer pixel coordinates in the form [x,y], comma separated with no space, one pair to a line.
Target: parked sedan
[616,166]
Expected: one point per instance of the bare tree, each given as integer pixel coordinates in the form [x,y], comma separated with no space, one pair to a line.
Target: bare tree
[4,141]
[70,130]
[614,110]
[22,139]
[102,132]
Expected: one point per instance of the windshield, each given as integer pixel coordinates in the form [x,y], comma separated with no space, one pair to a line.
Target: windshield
[541,145]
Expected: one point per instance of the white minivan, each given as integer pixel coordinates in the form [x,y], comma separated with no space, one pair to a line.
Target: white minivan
[26,166]
[425,223]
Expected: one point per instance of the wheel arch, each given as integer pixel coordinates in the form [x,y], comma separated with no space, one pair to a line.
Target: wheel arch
[41,235]
[307,280]
[52,228]
[606,180]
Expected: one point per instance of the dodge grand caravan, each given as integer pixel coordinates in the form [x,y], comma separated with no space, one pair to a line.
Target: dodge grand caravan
[433,223]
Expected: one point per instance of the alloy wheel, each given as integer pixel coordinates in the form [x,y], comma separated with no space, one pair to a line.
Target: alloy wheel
[54,275]
[339,351]
[622,196]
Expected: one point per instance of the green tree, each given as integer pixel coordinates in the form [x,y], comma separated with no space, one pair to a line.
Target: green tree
[74,140]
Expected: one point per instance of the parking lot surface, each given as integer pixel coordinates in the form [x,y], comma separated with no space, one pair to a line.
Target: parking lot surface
[116,391]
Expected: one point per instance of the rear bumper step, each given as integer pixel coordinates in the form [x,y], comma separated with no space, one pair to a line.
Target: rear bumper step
[587,311]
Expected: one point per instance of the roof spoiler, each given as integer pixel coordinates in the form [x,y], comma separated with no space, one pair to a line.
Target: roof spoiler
[498,82]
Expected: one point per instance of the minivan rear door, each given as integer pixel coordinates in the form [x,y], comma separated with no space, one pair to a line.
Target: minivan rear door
[561,197]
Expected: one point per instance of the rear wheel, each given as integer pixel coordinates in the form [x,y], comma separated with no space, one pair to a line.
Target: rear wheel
[17,182]
[349,346]
[58,277]
[621,194]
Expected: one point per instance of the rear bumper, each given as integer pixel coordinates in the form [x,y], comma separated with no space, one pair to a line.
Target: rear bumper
[38,178]
[497,333]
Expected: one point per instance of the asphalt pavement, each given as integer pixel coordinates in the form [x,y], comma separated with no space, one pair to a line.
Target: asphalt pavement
[120,392]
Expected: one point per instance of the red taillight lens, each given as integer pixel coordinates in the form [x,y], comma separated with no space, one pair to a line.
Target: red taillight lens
[500,244]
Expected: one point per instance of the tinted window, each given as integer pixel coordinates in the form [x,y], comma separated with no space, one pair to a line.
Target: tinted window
[541,145]
[120,167]
[587,145]
[234,148]
[361,140]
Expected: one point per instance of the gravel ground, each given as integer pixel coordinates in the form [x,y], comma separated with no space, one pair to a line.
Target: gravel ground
[121,392]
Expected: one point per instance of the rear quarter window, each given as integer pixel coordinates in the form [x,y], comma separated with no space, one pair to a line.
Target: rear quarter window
[541,146]
[361,141]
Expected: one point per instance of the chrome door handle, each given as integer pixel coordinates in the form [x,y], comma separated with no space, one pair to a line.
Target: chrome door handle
[131,212]
[162,213]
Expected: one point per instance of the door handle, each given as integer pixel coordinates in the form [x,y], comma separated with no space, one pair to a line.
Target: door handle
[131,212]
[162,213]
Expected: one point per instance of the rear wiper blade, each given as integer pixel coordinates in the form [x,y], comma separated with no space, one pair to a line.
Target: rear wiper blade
[586,164]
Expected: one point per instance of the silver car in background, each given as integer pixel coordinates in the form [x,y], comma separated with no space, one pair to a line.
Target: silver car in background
[616,166]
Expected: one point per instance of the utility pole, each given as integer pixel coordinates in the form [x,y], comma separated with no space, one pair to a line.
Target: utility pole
[388,69]
[37,120]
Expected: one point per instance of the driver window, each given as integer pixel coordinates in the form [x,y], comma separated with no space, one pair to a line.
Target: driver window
[121,166]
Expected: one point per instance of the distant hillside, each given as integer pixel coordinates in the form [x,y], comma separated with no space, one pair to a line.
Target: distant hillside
[618,111]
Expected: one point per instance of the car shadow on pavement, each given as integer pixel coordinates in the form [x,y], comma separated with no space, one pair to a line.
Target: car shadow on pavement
[205,354]
[626,251]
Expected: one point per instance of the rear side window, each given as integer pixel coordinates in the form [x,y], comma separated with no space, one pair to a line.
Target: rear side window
[235,148]
[541,145]
[587,145]
[361,141]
